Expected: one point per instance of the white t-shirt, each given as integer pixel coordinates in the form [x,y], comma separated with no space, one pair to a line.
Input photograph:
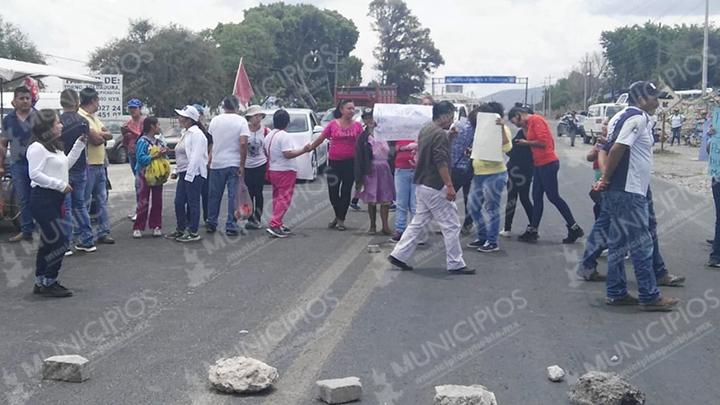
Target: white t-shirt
[634,171]
[226,130]
[276,143]
[676,121]
[256,150]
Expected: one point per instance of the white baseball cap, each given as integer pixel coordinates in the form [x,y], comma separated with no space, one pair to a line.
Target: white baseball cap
[189,112]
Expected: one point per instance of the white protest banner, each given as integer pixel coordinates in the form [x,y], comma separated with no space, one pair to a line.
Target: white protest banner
[400,122]
[488,140]
[110,91]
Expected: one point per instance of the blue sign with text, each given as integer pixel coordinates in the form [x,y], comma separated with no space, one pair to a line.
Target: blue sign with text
[480,79]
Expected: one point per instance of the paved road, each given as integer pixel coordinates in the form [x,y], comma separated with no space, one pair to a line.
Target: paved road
[151,315]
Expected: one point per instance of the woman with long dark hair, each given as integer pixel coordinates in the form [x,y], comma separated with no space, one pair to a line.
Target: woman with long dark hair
[343,133]
[49,170]
[144,156]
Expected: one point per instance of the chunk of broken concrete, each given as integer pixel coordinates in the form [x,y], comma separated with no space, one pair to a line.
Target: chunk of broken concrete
[241,375]
[599,388]
[463,395]
[555,373]
[71,368]
[339,390]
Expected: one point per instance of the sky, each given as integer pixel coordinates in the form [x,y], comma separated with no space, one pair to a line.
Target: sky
[533,38]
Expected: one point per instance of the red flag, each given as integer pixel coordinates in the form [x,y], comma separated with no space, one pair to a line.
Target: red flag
[242,89]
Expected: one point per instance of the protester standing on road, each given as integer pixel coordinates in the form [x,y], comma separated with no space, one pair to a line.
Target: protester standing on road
[435,194]
[461,169]
[489,181]
[77,219]
[131,131]
[49,174]
[404,186]
[191,162]
[373,178]
[545,181]
[627,181]
[676,123]
[96,189]
[713,149]
[282,171]
[256,164]
[16,132]
[205,191]
[230,134]
[342,132]
[148,193]
[520,172]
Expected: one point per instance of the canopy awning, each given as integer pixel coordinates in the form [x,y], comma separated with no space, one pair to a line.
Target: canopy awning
[13,69]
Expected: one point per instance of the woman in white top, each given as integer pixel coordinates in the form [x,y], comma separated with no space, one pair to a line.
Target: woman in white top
[191,160]
[256,163]
[49,174]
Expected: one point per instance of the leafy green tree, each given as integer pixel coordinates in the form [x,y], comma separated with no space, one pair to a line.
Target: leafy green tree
[405,54]
[15,44]
[166,67]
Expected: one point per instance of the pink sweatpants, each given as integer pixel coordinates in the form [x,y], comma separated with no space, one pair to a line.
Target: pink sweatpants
[283,187]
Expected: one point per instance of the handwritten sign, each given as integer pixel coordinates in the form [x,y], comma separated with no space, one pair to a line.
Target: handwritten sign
[488,138]
[400,122]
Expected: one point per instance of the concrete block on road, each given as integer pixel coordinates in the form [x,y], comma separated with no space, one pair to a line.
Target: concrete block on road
[71,368]
[599,388]
[555,373]
[464,395]
[242,375]
[339,390]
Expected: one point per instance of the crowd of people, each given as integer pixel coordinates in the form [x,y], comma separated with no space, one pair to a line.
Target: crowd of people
[58,168]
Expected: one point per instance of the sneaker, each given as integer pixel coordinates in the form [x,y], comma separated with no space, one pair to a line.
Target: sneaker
[595,277]
[477,243]
[54,290]
[132,217]
[529,236]
[396,237]
[661,304]
[252,226]
[69,252]
[463,270]
[85,248]
[623,301]
[488,248]
[399,264]
[355,206]
[574,233]
[393,207]
[157,232]
[466,230]
[210,229]
[286,230]
[231,232]
[505,234]
[106,240]
[27,237]
[175,235]
[671,280]
[276,232]
[189,237]
[713,263]
[137,234]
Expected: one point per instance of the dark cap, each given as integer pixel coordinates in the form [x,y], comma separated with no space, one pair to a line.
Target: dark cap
[366,112]
[643,89]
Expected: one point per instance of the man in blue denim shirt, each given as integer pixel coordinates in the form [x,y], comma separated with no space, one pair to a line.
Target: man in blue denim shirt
[16,134]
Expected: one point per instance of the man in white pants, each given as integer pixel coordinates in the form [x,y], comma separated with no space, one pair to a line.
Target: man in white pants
[434,195]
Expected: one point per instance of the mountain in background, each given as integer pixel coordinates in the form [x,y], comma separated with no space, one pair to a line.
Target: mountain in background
[508,98]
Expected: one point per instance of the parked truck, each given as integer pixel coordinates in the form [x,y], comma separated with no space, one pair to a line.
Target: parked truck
[367,96]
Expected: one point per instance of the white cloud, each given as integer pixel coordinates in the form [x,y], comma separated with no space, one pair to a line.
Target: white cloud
[502,37]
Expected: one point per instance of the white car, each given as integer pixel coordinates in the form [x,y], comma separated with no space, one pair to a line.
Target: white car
[304,128]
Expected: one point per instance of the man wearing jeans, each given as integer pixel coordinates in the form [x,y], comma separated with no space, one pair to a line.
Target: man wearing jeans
[16,134]
[627,180]
[230,134]
[76,218]
[435,194]
[96,189]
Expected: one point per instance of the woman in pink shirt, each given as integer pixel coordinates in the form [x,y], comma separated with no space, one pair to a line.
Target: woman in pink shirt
[342,132]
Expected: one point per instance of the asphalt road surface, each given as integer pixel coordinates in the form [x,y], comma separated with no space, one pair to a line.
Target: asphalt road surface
[152,314]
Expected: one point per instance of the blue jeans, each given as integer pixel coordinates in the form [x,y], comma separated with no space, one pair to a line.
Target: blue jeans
[187,203]
[218,179]
[630,228]
[96,190]
[545,182]
[77,219]
[715,254]
[484,205]
[21,183]
[405,197]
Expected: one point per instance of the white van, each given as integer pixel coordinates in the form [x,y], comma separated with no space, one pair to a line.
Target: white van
[597,114]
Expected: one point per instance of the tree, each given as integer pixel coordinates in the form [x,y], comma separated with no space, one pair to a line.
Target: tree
[166,67]
[15,44]
[405,54]
[289,51]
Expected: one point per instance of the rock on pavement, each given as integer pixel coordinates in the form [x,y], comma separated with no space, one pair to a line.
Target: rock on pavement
[598,388]
[241,375]
[70,368]
[555,373]
[463,395]
[340,390]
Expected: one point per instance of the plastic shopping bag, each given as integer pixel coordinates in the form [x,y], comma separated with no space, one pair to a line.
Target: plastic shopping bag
[243,202]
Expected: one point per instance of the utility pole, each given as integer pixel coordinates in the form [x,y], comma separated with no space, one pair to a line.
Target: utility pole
[549,96]
[705,49]
[586,73]
[336,63]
